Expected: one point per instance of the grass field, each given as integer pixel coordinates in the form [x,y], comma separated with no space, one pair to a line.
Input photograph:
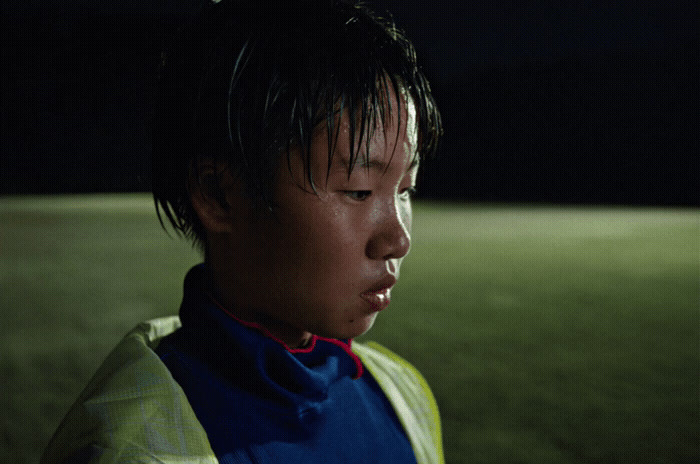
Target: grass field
[549,335]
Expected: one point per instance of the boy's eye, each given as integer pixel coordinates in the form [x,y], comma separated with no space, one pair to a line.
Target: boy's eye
[357,195]
[408,192]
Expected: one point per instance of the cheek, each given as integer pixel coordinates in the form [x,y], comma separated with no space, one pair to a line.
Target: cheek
[406,214]
[322,238]
[340,248]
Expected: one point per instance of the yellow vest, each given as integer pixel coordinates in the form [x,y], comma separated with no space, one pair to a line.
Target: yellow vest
[133,411]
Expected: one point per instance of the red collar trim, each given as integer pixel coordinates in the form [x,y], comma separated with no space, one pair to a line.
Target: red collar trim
[307,349]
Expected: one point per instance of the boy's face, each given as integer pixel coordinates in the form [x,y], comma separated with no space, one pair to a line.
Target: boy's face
[328,265]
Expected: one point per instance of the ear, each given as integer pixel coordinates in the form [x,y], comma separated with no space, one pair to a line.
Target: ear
[210,187]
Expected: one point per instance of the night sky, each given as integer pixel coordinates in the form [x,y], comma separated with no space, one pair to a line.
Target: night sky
[563,102]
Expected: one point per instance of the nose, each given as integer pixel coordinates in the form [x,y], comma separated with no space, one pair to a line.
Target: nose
[392,237]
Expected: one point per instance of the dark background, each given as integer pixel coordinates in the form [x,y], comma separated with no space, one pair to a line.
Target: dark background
[559,102]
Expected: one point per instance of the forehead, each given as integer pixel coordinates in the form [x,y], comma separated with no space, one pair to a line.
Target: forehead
[383,132]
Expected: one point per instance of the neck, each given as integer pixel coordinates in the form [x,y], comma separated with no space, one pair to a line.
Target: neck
[292,337]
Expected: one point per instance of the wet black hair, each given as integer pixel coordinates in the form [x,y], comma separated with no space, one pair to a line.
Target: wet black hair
[248,80]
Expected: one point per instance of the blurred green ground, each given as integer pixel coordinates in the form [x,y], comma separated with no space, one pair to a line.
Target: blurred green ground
[549,335]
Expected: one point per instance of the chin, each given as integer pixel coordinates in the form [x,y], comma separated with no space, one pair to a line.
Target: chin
[353,328]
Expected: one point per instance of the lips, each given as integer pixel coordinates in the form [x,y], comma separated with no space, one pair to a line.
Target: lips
[379,295]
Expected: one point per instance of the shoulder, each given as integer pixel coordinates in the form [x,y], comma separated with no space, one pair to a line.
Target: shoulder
[394,374]
[377,357]
[410,395]
[132,410]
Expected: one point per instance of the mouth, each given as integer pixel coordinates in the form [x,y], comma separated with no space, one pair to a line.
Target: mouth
[379,296]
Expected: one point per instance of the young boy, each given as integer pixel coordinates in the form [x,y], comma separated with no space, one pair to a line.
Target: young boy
[287,139]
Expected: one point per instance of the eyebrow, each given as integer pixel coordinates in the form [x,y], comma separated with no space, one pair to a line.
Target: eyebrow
[375,164]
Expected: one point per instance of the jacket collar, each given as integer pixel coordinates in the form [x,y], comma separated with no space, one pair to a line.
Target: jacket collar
[241,350]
